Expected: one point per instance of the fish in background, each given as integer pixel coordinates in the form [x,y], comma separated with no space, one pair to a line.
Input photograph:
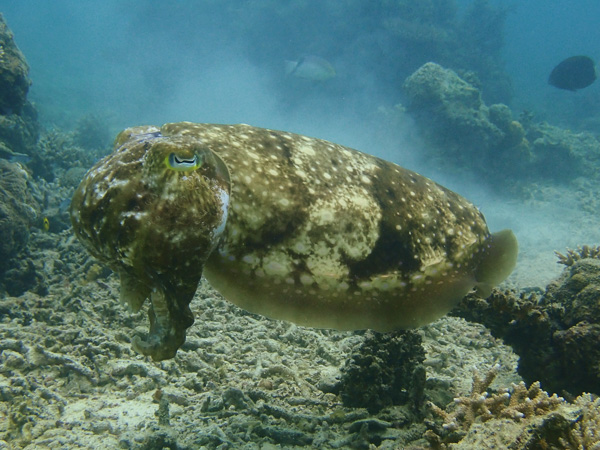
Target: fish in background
[576,72]
[20,158]
[13,156]
[310,67]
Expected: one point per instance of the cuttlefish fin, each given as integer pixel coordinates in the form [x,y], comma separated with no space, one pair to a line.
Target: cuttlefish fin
[498,263]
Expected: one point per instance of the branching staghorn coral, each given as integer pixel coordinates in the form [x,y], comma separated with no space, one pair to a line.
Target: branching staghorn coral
[582,252]
[585,434]
[515,403]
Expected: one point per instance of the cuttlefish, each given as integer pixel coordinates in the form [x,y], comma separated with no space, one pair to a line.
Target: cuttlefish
[283,225]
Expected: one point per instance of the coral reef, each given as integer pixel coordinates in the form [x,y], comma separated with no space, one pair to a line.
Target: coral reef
[69,378]
[19,134]
[469,136]
[433,31]
[480,405]
[92,133]
[561,154]
[408,33]
[14,79]
[481,37]
[37,200]
[556,336]
[58,167]
[577,338]
[517,418]
[29,197]
[58,153]
[18,211]
[547,431]
[453,117]
[386,370]
[582,252]
[585,433]
[19,129]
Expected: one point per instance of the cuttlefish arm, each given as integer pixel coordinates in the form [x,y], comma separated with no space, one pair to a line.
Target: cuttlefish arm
[169,317]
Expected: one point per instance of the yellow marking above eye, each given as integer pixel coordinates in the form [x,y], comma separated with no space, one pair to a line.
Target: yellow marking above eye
[175,162]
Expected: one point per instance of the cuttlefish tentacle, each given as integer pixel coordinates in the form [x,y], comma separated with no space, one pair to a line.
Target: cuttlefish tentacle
[167,330]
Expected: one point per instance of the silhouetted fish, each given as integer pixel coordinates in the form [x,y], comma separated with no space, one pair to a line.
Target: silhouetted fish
[20,158]
[310,68]
[13,156]
[576,72]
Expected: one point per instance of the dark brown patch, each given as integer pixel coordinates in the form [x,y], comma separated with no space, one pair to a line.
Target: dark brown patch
[392,250]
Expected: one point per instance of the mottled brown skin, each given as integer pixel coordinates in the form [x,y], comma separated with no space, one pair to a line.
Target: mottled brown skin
[284,225]
[136,216]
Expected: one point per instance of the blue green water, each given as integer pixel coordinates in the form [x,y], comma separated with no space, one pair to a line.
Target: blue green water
[148,62]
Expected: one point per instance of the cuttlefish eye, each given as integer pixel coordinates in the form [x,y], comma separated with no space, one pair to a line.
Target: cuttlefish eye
[176,162]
